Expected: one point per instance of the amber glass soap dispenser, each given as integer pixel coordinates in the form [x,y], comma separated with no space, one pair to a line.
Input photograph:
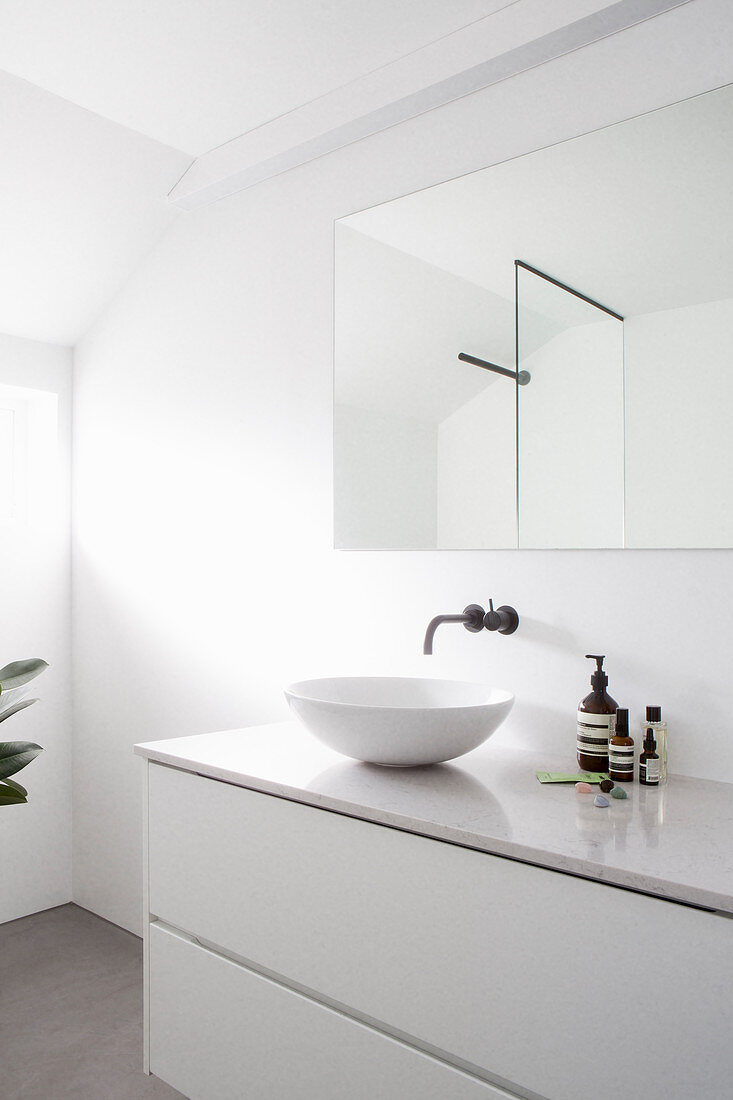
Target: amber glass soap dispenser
[596,721]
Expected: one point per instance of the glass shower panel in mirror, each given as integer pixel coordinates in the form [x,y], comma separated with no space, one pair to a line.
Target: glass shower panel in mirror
[570,415]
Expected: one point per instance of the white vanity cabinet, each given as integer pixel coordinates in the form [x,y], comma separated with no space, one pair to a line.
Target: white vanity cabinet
[294,953]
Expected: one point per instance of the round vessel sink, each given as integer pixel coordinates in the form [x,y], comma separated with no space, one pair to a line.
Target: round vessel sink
[399,721]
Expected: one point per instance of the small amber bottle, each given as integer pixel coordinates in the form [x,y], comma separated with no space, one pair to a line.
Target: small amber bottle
[649,761]
[621,749]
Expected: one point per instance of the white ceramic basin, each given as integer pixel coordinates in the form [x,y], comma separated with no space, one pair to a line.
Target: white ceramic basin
[398,721]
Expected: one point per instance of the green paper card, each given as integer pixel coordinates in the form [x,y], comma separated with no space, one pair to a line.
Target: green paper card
[578,777]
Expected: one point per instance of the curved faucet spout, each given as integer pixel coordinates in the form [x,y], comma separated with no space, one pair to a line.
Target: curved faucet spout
[472,618]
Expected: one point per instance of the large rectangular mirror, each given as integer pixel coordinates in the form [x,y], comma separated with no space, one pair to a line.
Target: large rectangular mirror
[620,311]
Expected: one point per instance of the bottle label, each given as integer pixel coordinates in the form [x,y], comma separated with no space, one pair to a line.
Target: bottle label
[621,759]
[594,731]
[649,770]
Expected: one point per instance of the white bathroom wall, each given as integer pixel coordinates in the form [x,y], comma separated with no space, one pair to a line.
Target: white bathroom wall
[35,622]
[204,573]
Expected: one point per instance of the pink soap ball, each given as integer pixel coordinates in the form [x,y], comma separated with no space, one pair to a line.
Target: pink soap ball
[584,788]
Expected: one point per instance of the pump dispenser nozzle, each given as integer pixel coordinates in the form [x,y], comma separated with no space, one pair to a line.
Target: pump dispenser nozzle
[599,679]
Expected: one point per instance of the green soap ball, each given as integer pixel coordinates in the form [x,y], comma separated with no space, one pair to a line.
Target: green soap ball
[618,792]
[606,785]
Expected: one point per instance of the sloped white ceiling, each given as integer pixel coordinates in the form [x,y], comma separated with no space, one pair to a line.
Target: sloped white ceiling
[98,100]
[195,73]
[82,200]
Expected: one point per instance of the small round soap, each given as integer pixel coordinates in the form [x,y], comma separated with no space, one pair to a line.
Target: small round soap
[618,792]
[584,788]
[606,785]
[599,800]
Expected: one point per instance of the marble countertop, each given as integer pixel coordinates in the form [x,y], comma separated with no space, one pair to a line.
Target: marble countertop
[674,841]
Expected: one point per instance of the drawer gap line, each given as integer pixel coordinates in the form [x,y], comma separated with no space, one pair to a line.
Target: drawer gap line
[511,1090]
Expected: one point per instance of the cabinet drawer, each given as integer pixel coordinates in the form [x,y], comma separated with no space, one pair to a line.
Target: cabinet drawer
[544,981]
[221,1032]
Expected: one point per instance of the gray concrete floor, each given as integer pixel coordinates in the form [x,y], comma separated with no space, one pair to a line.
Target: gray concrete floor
[71,1010]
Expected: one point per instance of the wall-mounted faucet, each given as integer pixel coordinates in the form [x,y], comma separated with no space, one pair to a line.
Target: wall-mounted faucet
[475,619]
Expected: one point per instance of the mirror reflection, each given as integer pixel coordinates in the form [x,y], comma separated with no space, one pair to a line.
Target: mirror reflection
[570,416]
[621,438]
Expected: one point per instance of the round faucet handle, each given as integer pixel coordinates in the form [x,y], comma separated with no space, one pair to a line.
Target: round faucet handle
[492,619]
[505,620]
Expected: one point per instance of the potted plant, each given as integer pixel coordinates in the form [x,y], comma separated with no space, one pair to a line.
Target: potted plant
[14,755]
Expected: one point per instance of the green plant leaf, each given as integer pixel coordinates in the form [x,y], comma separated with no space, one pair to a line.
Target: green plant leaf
[9,698]
[11,797]
[20,672]
[14,755]
[16,786]
[16,707]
